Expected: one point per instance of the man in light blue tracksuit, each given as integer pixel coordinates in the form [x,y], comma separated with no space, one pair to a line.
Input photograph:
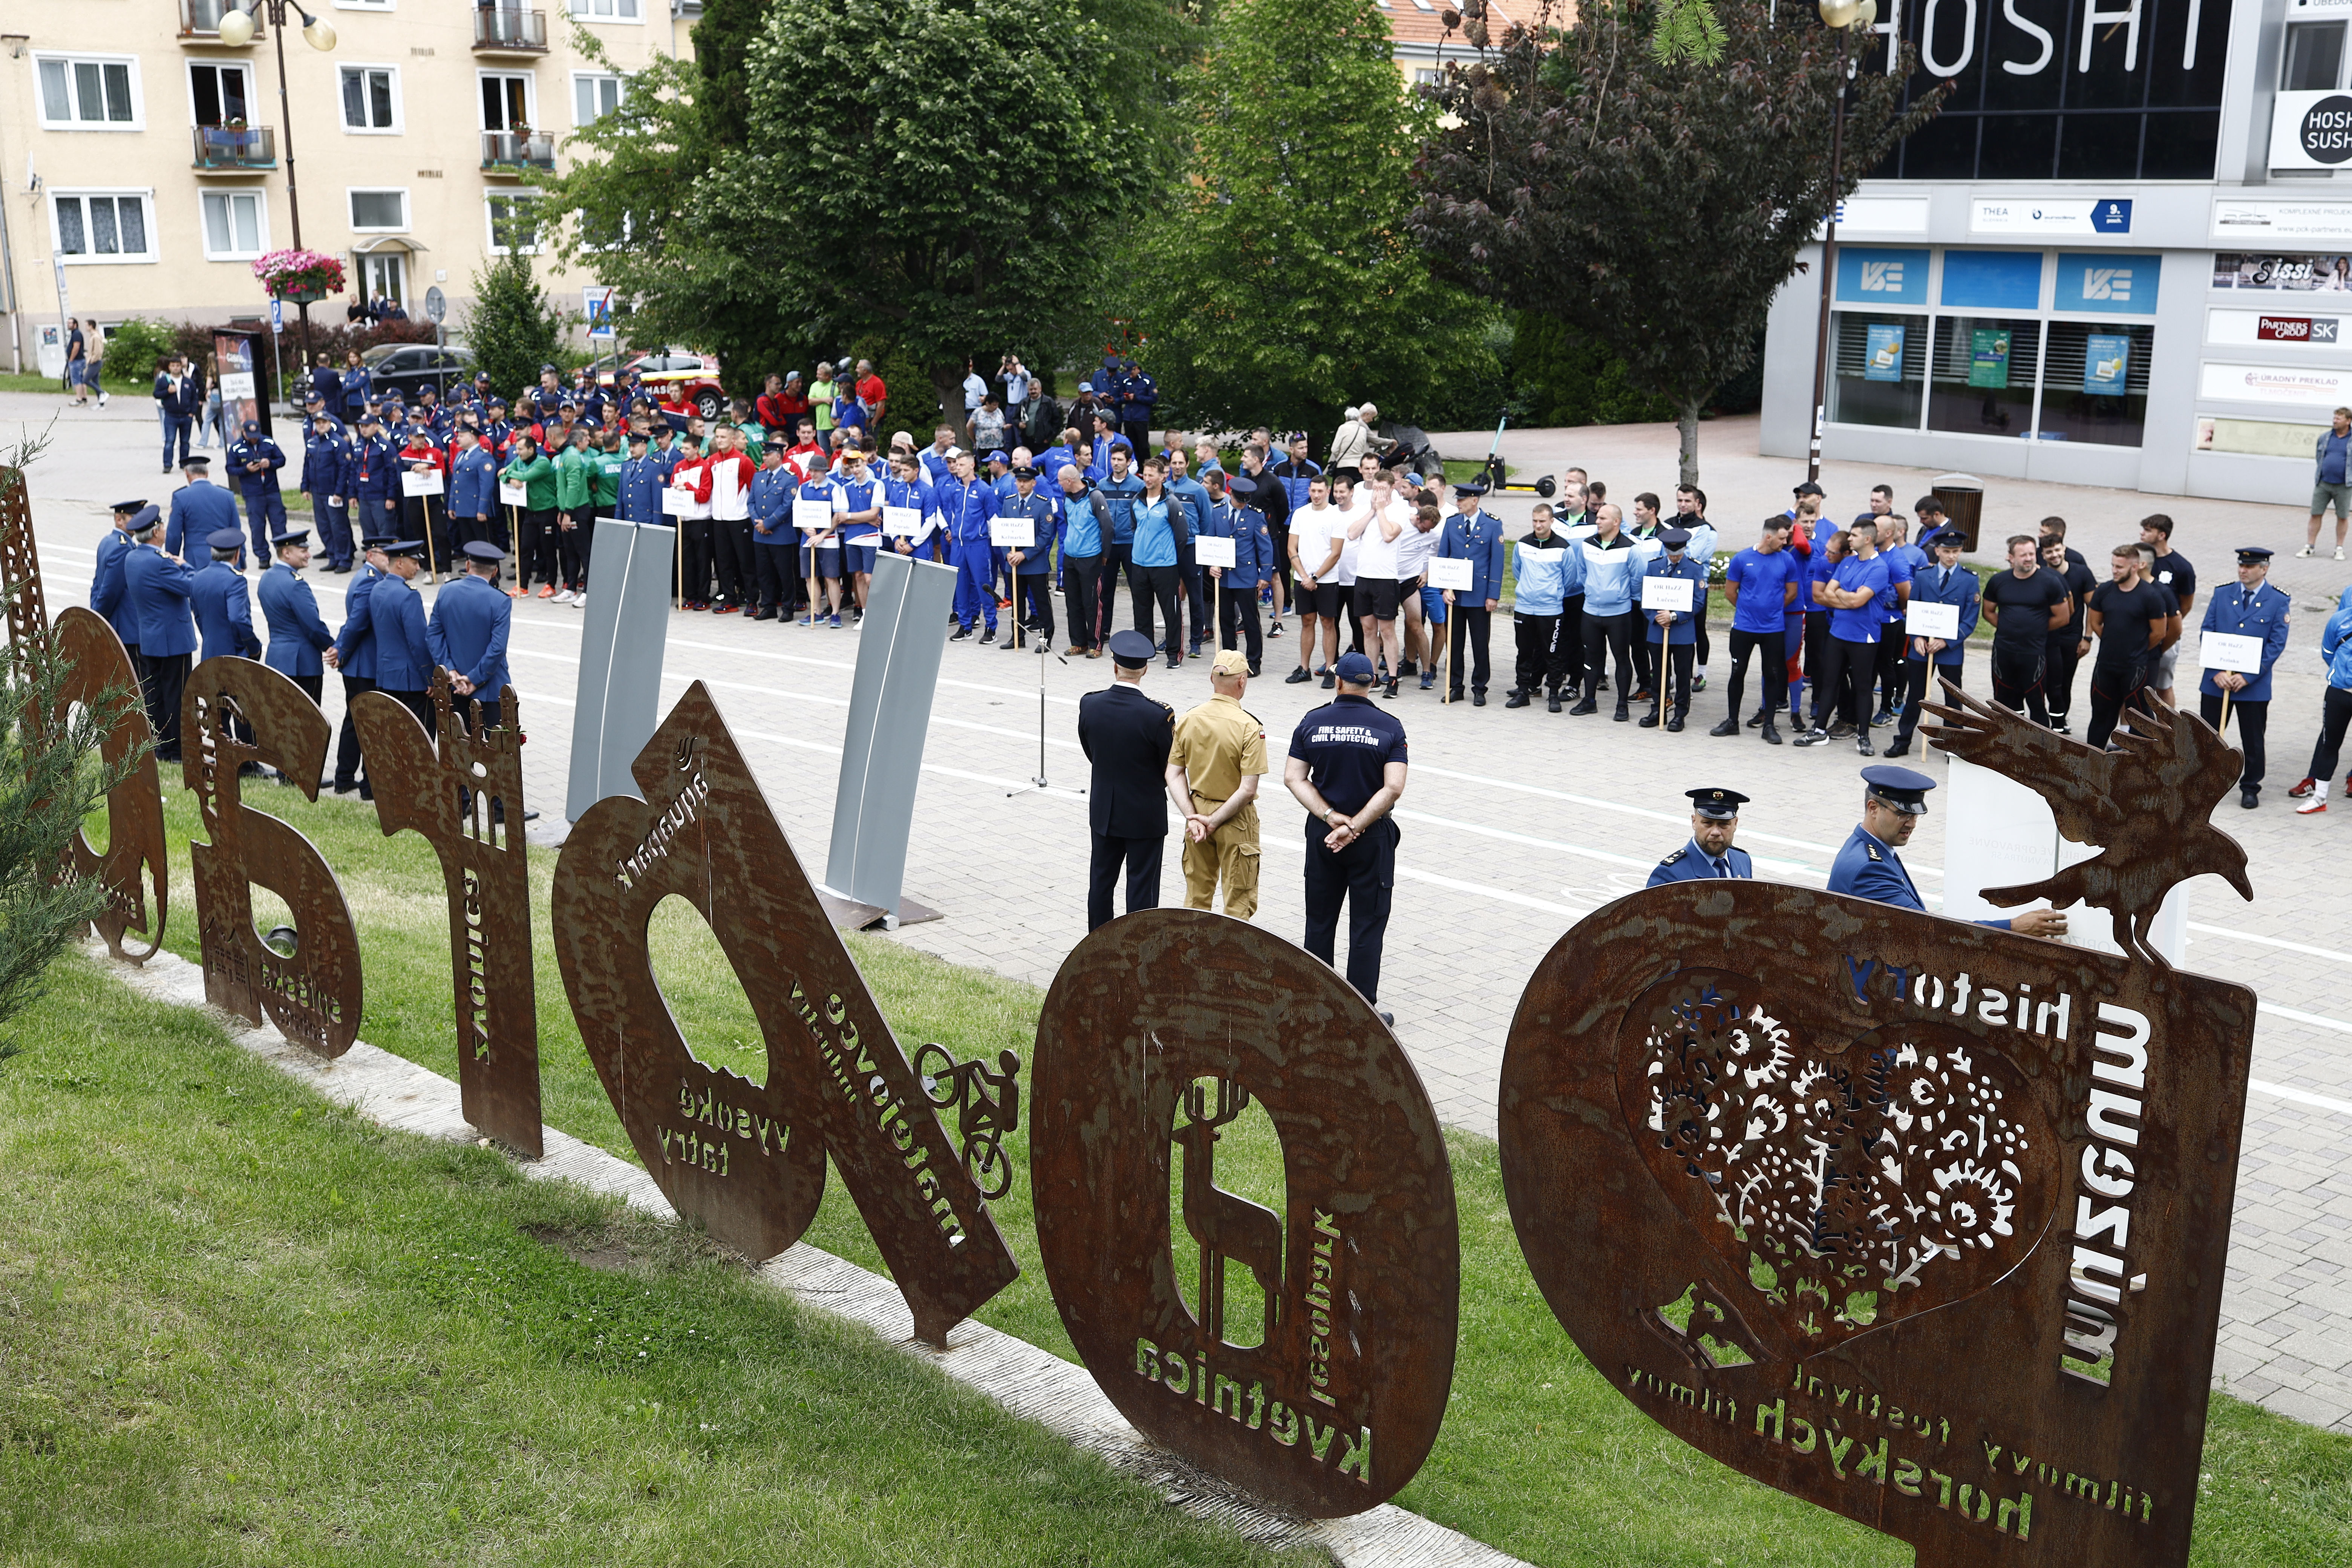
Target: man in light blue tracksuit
[1538,627]
[1605,569]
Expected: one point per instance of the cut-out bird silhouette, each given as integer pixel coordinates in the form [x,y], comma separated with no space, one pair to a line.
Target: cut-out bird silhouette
[2148,807]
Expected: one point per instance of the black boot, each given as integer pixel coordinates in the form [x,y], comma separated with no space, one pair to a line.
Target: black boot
[1552,702]
[1728,726]
[1519,699]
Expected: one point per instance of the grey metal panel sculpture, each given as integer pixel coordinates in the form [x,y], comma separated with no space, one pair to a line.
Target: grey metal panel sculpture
[889,714]
[619,700]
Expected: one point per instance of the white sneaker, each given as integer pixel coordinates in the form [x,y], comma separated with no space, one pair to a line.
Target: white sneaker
[2339,553]
[566,597]
[2304,554]
[2317,803]
[579,601]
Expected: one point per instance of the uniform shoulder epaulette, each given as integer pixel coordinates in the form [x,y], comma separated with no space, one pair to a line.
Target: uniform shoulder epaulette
[1165,709]
[1676,855]
[1871,850]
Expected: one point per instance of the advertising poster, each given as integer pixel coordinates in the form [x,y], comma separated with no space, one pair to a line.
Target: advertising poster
[240,396]
[2106,363]
[1885,355]
[2292,274]
[1988,357]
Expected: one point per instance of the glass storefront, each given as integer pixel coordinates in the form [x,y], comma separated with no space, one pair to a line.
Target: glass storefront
[2095,382]
[1983,379]
[1878,362]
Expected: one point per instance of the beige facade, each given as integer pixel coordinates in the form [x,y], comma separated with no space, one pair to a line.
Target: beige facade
[151,160]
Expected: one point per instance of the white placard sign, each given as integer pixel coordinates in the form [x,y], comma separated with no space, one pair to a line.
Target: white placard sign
[1452,572]
[427,483]
[812,516]
[513,492]
[1214,549]
[2228,650]
[900,522]
[1012,533]
[235,385]
[1926,618]
[674,501]
[1667,594]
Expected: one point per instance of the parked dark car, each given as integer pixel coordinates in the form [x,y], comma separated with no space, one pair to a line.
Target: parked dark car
[411,367]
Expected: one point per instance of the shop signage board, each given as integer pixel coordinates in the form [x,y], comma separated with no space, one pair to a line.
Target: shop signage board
[2251,222]
[2311,129]
[2049,214]
[2278,328]
[2275,383]
[1871,275]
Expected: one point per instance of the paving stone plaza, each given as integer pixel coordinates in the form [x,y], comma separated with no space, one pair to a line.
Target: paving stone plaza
[1514,822]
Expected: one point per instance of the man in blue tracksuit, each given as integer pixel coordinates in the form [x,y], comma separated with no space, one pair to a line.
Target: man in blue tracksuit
[1936,660]
[1082,549]
[353,656]
[1233,515]
[1474,535]
[1672,634]
[254,461]
[775,542]
[200,509]
[327,473]
[1033,564]
[1114,495]
[1604,569]
[297,636]
[1138,406]
[1538,622]
[966,503]
[223,610]
[1193,581]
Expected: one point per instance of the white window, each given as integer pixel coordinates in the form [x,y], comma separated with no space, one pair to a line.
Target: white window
[236,225]
[507,100]
[220,94]
[608,10]
[371,99]
[593,95]
[89,94]
[101,225]
[385,276]
[514,223]
[379,211]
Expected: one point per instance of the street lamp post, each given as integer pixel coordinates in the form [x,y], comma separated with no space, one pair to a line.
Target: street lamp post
[1845,18]
[237,28]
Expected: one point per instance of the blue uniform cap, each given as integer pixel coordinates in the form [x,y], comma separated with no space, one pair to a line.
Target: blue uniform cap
[292,536]
[123,506]
[226,539]
[2254,555]
[1470,488]
[1944,536]
[1902,789]
[1241,485]
[1674,538]
[1131,650]
[195,462]
[376,541]
[411,547]
[483,550]
[1719,805]
[145,519]
[1354,668]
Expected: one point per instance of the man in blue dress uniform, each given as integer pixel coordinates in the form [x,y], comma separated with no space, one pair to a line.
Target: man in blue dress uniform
[254,461]
[474,511]
[217,594]
[327,471]
[1942,581]
[106,595]
[467,634]
[2249,607]
[1710,854]
[1234,515]
[375,480]
[775,542]
[1867,866]
[641,484]
[353,657]
[297,635]
[200,509]
[1672,634]
[158,586]
[1474,535]
[1032,566]
[403,658]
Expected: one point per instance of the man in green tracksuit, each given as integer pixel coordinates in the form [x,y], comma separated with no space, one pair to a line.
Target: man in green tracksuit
[536,551]
[575,504]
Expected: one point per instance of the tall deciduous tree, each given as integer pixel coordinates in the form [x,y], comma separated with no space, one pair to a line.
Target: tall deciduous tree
[1281,284]
[1654,203]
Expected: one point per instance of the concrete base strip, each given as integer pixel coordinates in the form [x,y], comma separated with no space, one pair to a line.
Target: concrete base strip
[1032,1384]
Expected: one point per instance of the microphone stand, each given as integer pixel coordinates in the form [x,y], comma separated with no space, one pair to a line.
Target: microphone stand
[1042,649]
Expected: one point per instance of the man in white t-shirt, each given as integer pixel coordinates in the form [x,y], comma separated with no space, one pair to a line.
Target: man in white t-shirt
[1380,521]
[1349,497]
[1423,521]
[1315,548]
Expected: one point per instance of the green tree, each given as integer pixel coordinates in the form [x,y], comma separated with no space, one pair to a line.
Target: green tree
[1281,284]
[513,330]
[1651,203]
[951,175]
[722,48]
[1568,379]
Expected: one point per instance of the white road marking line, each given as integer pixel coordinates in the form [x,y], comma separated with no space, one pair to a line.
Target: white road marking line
[2280,1091]
[2315,1020]
[2235,935]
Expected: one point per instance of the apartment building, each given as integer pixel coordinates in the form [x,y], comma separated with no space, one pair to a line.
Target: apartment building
[145,162]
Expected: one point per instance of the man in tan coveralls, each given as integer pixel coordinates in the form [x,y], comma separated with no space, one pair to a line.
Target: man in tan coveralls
[1212,772]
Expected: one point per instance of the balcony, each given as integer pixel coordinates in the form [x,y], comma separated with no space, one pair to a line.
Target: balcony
[221,150]
[200,21]
[505,30]
[517,153]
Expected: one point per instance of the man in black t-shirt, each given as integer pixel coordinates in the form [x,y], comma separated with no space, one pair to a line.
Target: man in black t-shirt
[2132,620]
[2025,605]
[2065,643]
[2171,570]
[1347,767]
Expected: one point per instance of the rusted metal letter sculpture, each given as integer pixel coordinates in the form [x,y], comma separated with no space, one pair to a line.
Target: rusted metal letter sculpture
[1160,1029]
[135,860]
[1920,1220]
[837,1080]
[311,993]
[483,861]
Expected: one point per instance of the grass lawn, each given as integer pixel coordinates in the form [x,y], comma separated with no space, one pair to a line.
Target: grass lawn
[1539,1456]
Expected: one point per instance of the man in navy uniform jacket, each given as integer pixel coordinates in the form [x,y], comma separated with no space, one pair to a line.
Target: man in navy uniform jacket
[1126,736]
[297,636]
[1710,854]
[159,586]
[223,607]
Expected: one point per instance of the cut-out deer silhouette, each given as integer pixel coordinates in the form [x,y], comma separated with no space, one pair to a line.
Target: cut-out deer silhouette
[1223,1226]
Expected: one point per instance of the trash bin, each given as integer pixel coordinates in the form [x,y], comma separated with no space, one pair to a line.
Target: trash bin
[1962,496]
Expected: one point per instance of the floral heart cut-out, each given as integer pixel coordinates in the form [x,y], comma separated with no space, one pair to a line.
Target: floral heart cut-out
[1854,1183]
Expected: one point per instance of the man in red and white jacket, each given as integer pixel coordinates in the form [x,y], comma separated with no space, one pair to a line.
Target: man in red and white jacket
[726,484]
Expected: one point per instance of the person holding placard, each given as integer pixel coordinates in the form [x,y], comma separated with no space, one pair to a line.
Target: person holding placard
[2133,620]
[857,498]
[909,509]
[536,475]
[1936,627]
[813,520]
[423,494]
[2245,625]
[773,537]
[1032,562]
[1473,536]
[1674,603]
[2026,604]
[1236,550]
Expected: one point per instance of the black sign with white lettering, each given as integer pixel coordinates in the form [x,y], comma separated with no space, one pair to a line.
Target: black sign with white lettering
[2064,89]
[2326,130]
